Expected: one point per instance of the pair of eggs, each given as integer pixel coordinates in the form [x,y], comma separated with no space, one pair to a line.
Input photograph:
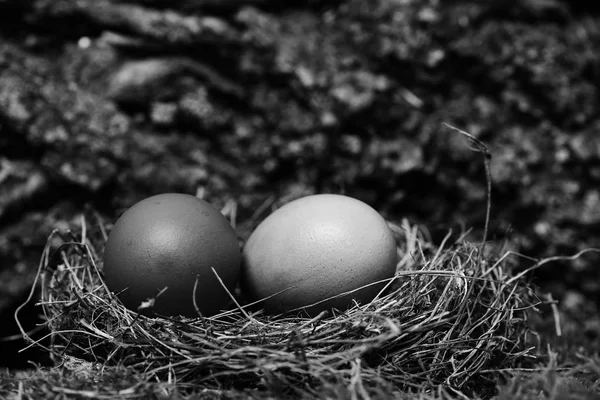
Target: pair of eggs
[315,253]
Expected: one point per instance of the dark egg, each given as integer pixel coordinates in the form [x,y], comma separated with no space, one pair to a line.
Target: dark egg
[164,244]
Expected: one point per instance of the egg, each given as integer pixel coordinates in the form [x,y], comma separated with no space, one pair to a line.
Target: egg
[314,248]
[168,241]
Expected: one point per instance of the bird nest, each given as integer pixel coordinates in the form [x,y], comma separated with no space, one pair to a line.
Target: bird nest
[448,315]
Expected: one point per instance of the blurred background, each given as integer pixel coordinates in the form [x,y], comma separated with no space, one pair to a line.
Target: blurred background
[252,103]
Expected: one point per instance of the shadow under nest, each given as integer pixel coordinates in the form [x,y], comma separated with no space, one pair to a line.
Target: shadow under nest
[447,318]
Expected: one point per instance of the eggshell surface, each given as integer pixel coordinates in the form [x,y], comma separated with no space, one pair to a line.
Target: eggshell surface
[170,240]
[314,248]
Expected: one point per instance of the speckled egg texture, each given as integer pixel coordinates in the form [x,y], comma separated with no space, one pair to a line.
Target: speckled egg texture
[170,240]
[314,248]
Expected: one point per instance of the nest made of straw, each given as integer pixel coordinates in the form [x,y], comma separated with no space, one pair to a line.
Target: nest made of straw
[446,316]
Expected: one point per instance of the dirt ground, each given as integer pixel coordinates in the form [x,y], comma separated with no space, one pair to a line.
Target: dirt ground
[254,103]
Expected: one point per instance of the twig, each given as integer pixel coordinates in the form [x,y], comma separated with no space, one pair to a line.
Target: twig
[481,148]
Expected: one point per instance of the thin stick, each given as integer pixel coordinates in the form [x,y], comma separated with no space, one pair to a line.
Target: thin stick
[481,148]
[555,314]
[232,297]
[43,263]
[194,299]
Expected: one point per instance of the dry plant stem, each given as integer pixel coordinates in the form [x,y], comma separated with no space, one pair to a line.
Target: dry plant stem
[542,262]
[481,148]
[43,262]
[555,314]
[194,291]
[232,297]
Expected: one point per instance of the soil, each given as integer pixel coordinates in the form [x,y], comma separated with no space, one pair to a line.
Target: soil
[252,103]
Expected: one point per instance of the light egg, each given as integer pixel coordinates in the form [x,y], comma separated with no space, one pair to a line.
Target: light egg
[314,249]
